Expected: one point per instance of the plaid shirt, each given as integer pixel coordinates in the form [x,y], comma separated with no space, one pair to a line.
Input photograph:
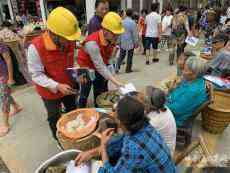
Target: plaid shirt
[143,152]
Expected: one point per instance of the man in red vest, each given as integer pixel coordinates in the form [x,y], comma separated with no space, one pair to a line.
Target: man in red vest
[95,54]
[49,56]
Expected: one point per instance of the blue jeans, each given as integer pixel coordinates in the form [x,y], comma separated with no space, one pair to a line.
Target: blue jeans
[151,42]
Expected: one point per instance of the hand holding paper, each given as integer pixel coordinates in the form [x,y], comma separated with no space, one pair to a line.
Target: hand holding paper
[71,168]
[127,88]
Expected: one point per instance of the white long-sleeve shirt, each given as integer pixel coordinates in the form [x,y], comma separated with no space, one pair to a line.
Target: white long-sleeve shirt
[93,50]
[37,70]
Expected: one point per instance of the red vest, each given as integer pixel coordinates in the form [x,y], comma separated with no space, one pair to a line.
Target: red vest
[106,51]
[55,64]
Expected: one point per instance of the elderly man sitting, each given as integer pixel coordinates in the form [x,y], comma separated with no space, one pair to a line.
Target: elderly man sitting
[190,93]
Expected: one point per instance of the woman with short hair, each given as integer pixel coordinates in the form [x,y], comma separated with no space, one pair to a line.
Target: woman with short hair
[190,93]
[160,116]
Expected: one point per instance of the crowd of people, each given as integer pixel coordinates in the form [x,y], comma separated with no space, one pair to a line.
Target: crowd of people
[148,120]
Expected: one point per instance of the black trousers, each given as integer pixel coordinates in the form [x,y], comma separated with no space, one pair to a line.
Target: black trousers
[144,43]
[53,108]
[100,85]
[180,49]
[129,59]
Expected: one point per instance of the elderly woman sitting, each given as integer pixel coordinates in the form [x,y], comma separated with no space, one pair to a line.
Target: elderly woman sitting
[160,116]
[171,83]
[190,93]
[140,149]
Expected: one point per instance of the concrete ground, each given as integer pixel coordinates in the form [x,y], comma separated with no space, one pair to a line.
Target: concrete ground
[29,142]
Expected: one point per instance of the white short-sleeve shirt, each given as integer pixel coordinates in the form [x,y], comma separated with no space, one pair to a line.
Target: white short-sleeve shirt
[166,25]
[152,21]
[164,123]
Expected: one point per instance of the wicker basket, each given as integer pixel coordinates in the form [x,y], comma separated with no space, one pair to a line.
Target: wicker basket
[107,99]
[87,115]
[216,117]
[83,144]
[89,142]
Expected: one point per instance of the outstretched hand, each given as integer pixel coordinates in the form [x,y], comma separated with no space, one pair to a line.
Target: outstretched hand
[83,157]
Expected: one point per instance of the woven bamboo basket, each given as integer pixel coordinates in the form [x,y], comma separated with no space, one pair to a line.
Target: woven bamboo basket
[216,117]
[108,99]
[86,115]
[89,142]
[84,144]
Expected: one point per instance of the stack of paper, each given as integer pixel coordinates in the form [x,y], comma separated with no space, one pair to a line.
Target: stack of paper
[192,41]
[218,81]
[84,168]
[127,89]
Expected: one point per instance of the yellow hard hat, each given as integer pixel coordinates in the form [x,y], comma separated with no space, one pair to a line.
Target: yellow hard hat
[63,23]
[113,22]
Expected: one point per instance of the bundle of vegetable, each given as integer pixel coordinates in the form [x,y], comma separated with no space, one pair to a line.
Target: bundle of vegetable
[75,124]
[108,99]
[56,169]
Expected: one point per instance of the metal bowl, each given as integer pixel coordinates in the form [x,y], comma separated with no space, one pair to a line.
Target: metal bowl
[59,159]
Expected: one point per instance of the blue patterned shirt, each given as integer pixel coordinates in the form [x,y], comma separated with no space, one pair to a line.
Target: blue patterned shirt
[142,152]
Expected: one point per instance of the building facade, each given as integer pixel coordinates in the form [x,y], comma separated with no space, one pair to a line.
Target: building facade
[138,5]
[8,9]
